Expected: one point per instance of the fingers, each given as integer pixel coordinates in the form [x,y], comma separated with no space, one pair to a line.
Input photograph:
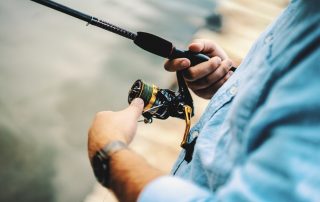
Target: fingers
[204,75]
[177,64]
[201,70]
[207,77]
[208,92]
[201,45]
[208,47]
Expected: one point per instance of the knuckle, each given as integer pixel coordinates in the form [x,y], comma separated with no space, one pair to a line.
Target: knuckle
[220,75]
[225,66]
[217,58]
[191,74]
[215,62]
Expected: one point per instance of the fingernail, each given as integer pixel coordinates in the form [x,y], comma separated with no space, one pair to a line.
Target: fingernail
[230,73]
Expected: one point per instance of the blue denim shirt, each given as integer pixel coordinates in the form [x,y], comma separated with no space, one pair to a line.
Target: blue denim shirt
[259,138]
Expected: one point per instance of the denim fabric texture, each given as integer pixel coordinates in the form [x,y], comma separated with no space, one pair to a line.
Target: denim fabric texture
[259,138]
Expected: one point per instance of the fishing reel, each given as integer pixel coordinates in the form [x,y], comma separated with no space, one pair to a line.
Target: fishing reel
[163,103]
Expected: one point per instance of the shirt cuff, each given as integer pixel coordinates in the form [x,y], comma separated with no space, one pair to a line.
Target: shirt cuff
[170,188]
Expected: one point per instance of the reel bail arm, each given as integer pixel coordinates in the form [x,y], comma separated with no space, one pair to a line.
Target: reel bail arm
[188,112]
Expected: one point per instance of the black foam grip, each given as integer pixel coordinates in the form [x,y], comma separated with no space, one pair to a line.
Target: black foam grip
[195,58]
[153,44]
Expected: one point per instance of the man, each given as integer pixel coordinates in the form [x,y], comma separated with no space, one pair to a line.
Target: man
[259,137]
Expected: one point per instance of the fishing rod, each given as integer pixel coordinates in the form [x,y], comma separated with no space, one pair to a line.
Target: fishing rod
[146,41]
[159,103]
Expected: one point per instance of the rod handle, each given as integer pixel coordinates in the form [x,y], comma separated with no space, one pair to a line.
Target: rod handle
[195,58]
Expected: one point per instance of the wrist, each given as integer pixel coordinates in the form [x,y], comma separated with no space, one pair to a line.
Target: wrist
[101,161]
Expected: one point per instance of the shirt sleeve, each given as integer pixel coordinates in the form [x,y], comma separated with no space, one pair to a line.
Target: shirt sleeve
[281,145]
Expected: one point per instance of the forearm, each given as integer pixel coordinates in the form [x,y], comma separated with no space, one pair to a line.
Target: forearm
[129,174]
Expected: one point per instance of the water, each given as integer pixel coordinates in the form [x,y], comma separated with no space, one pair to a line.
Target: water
[55,73]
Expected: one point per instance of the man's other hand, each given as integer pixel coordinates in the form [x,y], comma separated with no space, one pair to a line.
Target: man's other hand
[109,126]
[205,78]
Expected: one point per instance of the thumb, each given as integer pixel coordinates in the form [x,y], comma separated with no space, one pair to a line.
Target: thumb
[136,108]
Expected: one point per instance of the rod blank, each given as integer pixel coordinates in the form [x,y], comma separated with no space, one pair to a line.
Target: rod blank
[87,18]
[64,9]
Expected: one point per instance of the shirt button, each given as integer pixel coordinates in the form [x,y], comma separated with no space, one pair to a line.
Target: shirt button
[194,134]
[268,39]
[233,90]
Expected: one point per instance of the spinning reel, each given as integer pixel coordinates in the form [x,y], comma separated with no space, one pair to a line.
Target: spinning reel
[163,103]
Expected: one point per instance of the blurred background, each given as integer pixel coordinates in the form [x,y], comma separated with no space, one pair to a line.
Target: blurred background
[56,73]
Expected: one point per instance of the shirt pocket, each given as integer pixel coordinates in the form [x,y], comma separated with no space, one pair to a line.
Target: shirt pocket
[223,96]
[207,147]
[210,123]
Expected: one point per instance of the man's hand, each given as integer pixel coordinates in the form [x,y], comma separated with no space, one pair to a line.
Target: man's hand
[205,78]
[129,173]
[109,126]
